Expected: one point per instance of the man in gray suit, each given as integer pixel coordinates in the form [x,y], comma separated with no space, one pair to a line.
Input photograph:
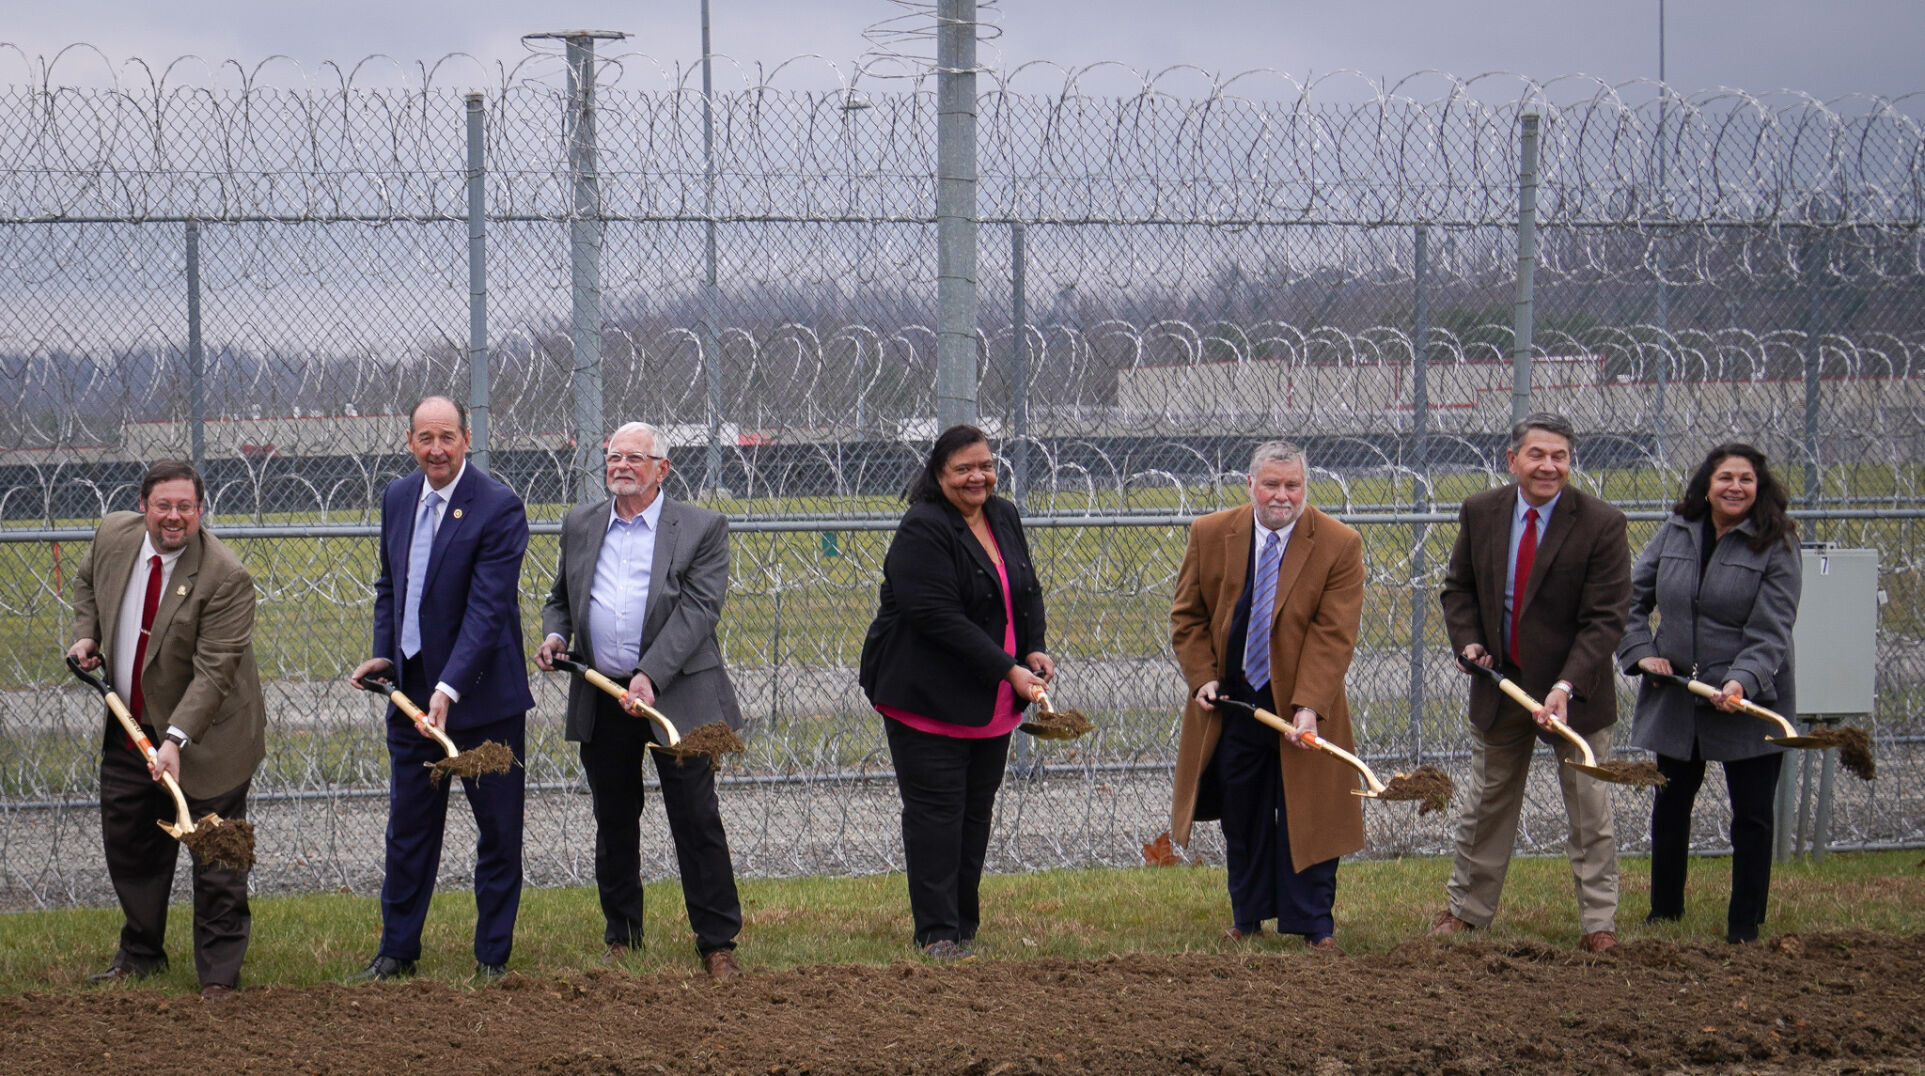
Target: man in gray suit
[639,591]
[172,608]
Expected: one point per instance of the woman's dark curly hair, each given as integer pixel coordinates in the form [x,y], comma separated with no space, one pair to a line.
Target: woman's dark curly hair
[1767,513]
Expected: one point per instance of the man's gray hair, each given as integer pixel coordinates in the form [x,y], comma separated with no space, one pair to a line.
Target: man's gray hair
[655,442]
[1277,452]
[1549,422]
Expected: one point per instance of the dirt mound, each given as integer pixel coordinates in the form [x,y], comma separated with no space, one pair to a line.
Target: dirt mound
[1819,1003]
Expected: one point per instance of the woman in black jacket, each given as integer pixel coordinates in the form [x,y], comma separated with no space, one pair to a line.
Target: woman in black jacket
[960,602]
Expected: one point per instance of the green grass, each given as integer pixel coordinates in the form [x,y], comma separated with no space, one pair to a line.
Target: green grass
[1076,914]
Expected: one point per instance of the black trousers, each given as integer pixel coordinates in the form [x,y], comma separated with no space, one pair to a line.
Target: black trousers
[1263,883]
[1752,784]
[140,862]
[612,761]
[948,788]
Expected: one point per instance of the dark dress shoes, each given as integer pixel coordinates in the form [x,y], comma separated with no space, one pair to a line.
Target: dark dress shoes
[490,972]
[118,972]
[383,968]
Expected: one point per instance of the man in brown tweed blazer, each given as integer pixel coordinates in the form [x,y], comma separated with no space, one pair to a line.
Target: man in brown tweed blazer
[194,676]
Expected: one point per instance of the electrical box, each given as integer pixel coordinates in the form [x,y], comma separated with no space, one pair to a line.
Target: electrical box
[1835,640]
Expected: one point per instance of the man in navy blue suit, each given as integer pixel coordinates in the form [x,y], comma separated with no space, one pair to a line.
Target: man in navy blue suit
[447,615]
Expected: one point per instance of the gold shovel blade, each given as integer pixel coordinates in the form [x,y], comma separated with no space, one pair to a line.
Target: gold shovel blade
[1799,741]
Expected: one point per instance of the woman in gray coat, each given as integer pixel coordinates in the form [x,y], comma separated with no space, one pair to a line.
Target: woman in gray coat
[1723,576]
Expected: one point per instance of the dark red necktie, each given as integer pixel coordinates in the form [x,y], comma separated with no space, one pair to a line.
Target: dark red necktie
[147,608]
[1526,554]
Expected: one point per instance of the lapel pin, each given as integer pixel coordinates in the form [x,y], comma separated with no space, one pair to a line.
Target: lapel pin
[181,590]
[457,513]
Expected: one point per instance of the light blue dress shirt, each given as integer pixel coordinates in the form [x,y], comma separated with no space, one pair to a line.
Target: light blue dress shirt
[618,598]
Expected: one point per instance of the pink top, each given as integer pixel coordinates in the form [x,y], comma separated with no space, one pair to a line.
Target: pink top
[1006,717]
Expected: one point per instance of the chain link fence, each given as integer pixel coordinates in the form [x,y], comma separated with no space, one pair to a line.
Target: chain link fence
[264,271]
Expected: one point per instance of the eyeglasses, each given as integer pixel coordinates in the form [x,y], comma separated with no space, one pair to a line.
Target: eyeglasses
[633,459]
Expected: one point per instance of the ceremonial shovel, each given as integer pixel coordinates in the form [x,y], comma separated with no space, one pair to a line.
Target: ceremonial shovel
[1621,773]
[1427,784]
[233,846]
[714,739]
[490,757]
[1856,753]
[633,705]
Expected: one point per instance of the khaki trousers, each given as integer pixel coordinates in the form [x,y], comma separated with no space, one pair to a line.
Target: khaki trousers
[1487,833]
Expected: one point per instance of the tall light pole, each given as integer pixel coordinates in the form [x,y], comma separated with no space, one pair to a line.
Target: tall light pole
[711,290]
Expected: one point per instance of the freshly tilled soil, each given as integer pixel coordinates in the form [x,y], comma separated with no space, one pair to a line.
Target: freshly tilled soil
[1833,1003]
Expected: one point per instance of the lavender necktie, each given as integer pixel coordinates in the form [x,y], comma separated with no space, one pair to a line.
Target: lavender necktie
[1263,603]
[418,551]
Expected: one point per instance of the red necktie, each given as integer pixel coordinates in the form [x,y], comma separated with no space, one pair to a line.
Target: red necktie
[1526,553]
[147,609]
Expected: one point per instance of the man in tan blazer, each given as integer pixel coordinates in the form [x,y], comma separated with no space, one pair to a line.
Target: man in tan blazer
[1278,569]
[1539,586]
[191,672]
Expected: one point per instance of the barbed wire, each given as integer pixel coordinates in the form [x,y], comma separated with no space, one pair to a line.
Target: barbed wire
[320,436]
[238,145]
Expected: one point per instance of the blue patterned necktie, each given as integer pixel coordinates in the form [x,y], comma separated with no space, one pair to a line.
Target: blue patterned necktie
[1263,602]
[418,551]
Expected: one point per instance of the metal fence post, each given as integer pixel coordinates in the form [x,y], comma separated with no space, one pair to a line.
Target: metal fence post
[477,282]
[1420,480]
[1526,269]
[955,212]
[196,358]
[1018,367]
[1814,386]
[1663,289]
[1028,762]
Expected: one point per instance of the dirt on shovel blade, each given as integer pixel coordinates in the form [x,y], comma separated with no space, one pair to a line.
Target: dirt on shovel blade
[490,757]
[714,739]
[1058,725]
[1427,784]
[1854,748]
[222,842]
[1631,773]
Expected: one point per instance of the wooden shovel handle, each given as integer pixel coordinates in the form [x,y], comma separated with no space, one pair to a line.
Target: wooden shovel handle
[146,747]
[1509,687]
[383,686]
[1531,706]
[634,703]
[1745,706]
[1370,778]
[629,702]
[1699,687]
[1276,721]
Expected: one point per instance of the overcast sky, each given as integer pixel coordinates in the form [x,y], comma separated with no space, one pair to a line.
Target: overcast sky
[1827,49]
